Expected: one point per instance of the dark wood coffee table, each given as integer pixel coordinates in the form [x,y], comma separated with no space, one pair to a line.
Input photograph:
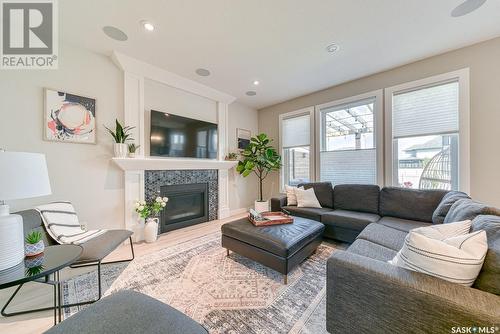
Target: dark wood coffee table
[279,247]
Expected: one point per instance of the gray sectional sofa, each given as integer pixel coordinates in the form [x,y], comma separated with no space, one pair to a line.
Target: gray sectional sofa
[365,294]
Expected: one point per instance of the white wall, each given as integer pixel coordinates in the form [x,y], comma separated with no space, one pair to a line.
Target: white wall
[483,59]
[242,191]
[157,96]
[81,173]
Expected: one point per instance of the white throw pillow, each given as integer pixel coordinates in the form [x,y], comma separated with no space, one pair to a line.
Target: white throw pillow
[291,197]
[446,251]
[306,198]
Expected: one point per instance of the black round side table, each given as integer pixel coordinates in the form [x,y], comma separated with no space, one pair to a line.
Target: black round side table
[40,269]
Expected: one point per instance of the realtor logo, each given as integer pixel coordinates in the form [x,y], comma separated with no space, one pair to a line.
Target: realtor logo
[29,34]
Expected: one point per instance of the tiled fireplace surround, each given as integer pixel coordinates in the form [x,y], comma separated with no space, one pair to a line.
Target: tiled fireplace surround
[155,179]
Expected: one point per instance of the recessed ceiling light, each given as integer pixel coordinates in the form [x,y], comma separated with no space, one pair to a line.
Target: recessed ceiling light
[203,72]
[256,82]
[148,25]
[251,93]
[467,7]
[332,48]
[115,33]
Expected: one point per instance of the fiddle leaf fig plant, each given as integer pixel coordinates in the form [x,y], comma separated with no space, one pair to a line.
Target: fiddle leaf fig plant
[260,158]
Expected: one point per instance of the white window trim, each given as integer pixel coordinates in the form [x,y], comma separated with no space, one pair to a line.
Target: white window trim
[464,121]
[305,111]
[378,128]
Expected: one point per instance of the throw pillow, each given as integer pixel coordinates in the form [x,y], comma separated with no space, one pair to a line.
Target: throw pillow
[306,198]
[291,197]
[61,222]
[468,209]
[488,279]
[444,253]
[445,205]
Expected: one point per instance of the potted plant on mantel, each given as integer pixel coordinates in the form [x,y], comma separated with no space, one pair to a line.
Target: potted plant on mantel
[148,212]
[260,158]
[120,135]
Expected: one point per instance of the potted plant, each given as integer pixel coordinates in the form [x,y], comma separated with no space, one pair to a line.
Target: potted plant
[33,243]
[132,148]
[231,156]
[120,135]
[148,212]
[260,158]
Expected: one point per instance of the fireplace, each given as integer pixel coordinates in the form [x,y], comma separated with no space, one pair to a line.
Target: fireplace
[193,196]
[187,205]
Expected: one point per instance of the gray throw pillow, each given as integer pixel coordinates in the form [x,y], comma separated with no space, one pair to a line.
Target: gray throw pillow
[488,279]
[445,205]
[467,209]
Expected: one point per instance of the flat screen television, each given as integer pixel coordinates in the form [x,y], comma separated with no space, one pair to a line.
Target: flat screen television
[177,136]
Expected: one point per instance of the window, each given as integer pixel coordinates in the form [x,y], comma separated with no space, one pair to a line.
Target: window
[348,140]
[426,141]
[296,142]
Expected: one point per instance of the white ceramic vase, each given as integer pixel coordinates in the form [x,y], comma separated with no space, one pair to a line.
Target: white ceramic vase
[261,206]
[121,150]
[151,230]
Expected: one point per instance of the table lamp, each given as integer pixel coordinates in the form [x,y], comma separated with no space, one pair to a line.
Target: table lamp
[22,175]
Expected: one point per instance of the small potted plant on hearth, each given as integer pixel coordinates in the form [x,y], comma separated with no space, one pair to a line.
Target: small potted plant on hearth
[132,148]
[120,136]
[33,243]
[260,158]
[148,212]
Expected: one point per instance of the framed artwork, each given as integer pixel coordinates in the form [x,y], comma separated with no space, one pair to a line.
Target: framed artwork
[243,137]
[69,118]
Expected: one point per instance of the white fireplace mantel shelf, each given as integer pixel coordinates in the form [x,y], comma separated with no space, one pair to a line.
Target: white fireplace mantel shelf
[141,164]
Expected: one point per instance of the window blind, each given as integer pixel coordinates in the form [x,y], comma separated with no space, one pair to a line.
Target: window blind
[296,131]
[426,111]
[349,167]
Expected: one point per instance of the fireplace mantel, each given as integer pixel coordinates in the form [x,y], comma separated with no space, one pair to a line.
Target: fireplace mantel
[141,164]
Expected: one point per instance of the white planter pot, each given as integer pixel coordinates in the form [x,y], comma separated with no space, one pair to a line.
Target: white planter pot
[120,150]
[131,155]
[151,230]
[261,206]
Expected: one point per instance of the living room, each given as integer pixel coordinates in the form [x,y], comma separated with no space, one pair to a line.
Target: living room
[249,167]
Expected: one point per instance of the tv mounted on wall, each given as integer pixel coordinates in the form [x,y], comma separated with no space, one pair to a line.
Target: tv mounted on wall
[177,136]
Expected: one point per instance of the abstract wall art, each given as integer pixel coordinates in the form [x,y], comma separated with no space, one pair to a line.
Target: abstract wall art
[69,118]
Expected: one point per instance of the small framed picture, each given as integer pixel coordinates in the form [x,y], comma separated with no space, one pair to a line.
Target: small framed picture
[69,118]
[243,137]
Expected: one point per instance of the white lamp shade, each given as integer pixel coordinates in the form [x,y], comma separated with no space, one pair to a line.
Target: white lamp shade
[23,175]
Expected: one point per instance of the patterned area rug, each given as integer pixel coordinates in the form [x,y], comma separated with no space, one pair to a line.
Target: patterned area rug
[225,294]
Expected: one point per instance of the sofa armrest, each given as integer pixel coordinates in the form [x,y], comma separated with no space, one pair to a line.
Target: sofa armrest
[367,295]
[278,202]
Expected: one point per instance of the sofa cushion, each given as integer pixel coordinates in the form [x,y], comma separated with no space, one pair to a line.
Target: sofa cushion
[282,240]
[311,213]
[489,277]
[467,209]
[349,219]
[371,250]
[128,312]
[404,225]
[356,197]
[445,205]
[323,191]
[409,203]
[384,236]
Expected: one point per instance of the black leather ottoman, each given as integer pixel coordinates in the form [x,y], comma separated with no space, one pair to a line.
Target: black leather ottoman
[280,247]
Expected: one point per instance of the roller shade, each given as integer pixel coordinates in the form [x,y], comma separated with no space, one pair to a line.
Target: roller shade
[296,131]
[426,111]
[349,167]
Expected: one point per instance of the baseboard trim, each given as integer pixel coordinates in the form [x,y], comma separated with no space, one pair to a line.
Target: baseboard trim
[238,211]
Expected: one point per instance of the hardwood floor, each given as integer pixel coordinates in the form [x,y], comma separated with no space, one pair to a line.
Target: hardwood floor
[35,295]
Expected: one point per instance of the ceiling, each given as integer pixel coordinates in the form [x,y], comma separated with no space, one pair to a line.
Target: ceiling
[281,43]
